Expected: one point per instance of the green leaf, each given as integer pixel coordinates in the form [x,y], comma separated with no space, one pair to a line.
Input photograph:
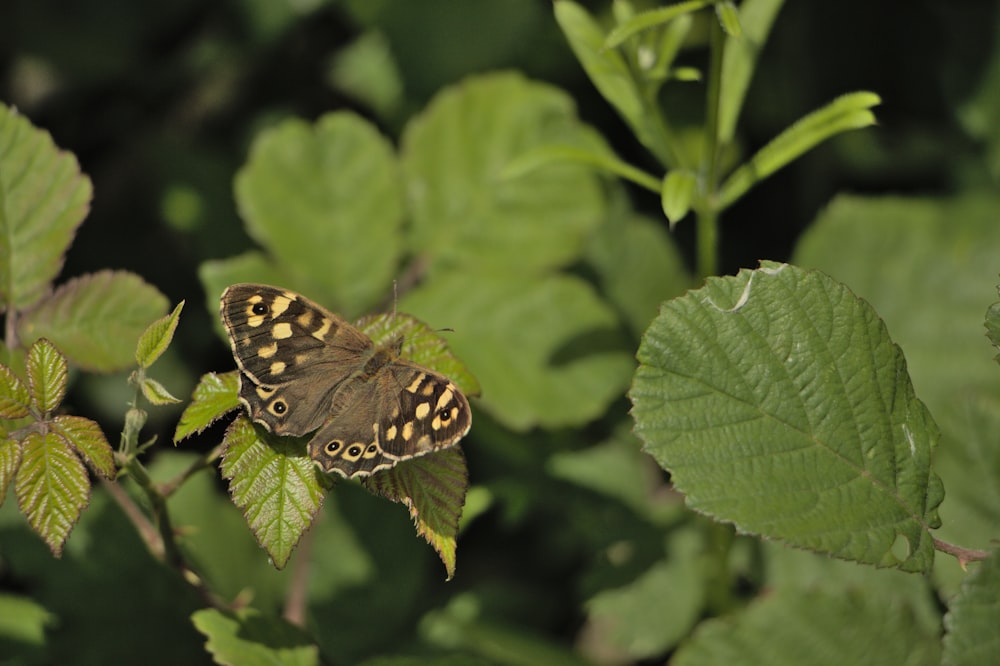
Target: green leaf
[274,483]
[778,403]
[47,376]
[464,214]
[993,326]
[326,201]
[739,60]
[651,19]
[10,460]
[248,638]
[43,199]
[638,267]
[794,627]
[156,338]
[606,67]
[538,365]
[651,614]
[729,19]
[52,487]
[89,441]
[433,488]
[14,397]
[96,319]
[676,194]
[23,623]
[215,396]
[845,113]
[972,621]
[156,393]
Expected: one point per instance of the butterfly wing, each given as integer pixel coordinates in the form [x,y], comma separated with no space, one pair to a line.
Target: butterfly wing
[293,354]
[402,412]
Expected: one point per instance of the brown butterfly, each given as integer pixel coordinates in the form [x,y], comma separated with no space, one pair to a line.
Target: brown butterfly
[304,369]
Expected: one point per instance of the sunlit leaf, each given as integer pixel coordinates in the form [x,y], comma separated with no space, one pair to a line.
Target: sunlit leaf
[156,338]
[10,460]
[433,488]
[88,439]
[248,638]
[676,194]
[14,396]
[47,376]
[273,482]
[215,396]
[97,319]
[52,487]
[43,199]
[156,393]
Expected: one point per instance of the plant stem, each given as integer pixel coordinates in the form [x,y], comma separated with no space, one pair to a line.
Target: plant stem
[295,601]
[963,555]
[708,214]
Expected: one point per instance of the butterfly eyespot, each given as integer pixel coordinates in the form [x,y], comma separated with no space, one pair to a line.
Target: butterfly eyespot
[445,416]
[259,309]
[354,451]
[279,407]
[372,448]
[334,446]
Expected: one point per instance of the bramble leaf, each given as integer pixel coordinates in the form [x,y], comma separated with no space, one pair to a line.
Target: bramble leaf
[215,396]
[248,637]
[156,338]
[974,616]
[47,376]
[156,393]
[89,441]
[14,397]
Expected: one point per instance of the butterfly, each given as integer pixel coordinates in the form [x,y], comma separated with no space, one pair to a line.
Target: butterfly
[305,369]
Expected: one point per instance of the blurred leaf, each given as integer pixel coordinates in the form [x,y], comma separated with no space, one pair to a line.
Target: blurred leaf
[156,393]
[23,622]
[464,214]
[10,460]
[638,267]
[89,441]
[52,487]
[729,19]
[47,376]
[274,484]
[366,70]
[215,396]
[815,627]
[97,319]
[972,620]
[547,351]
[433,488]
[247,638]
[649,616]
[928,267]
[845,113]
[778,403]
[739,61]
[651,19]
[43,199]
[14,396]
[326,201]
[676,194]
[993,326]
[156,338]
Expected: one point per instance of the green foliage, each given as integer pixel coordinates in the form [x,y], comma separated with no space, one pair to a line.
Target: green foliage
[246,639]
[971,623]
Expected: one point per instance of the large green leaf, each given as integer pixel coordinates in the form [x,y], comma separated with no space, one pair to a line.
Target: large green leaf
[815,627]
[43,199]
[464,213]
[97,319]
[778,402]
[326,201]
[274,483]
[546,351]
[972,622]
[215,396]
[52,487]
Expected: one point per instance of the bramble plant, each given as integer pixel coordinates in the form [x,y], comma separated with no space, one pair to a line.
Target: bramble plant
[737,469]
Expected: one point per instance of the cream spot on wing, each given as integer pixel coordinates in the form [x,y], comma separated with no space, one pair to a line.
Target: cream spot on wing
[422,410]
[268,351]
[281,331]
[305,319]
[407,431]
[428,390]
[265,392]
[281,303]
[390,433]
[445,398]
[424,442]
[415,384]
[320,333]
[277,367]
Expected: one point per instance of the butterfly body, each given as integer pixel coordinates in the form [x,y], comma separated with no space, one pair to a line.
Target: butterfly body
[304,369]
